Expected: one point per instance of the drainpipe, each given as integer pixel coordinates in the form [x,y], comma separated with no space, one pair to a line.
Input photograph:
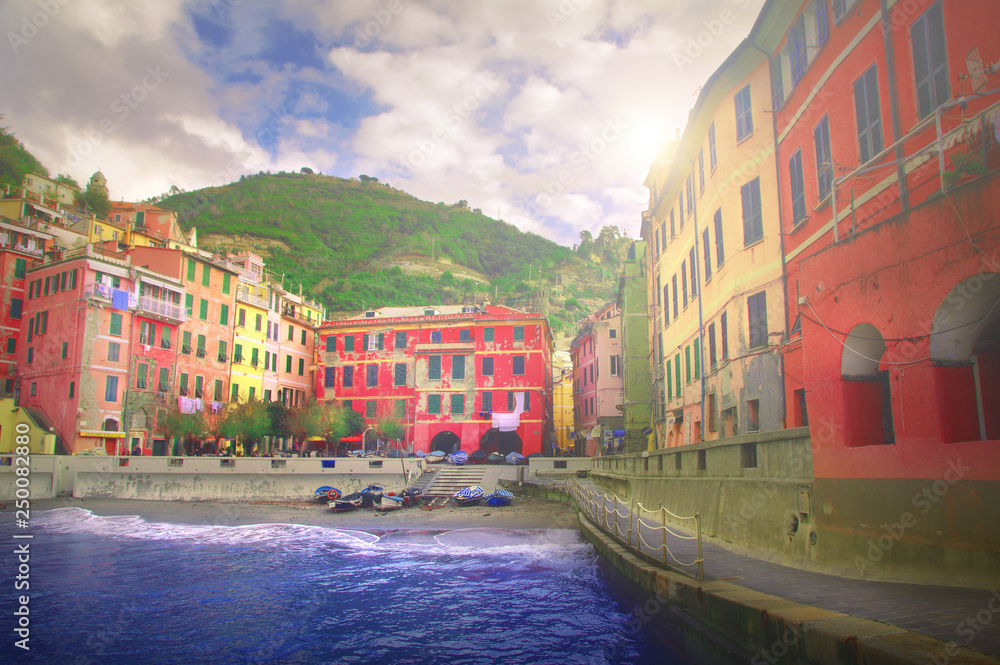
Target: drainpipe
[897,125]
[781,240]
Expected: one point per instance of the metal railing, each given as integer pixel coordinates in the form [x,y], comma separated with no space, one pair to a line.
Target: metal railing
[150,305]
[607,511]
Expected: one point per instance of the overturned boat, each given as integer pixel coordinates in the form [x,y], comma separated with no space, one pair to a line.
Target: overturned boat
[498,498]
[468,496]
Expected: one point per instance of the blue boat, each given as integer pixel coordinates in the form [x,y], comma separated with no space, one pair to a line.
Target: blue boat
[461,457]
[468,496]
[516,458]
[498,498]
[323,493]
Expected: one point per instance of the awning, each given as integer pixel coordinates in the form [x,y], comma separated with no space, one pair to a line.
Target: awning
[316,438]
[100,434]
[351,439]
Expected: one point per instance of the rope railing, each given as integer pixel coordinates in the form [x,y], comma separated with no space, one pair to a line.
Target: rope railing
[600,506]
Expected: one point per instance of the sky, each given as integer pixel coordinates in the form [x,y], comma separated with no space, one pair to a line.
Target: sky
[543,113]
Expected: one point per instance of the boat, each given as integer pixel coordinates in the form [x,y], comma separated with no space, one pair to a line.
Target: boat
[347,503]
[434,456]
[326,493]
[468,496]
[389,502]
[458,458]
[411,497]
[515,458]
[370,496]
[495,458]
[477,457]
[498,498]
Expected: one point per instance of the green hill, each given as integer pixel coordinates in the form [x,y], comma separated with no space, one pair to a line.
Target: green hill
[360,243]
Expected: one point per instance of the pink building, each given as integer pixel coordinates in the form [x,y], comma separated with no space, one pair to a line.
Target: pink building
[597,381]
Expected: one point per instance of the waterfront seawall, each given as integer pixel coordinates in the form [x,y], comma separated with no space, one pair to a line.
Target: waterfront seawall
[757,495]
[201,478]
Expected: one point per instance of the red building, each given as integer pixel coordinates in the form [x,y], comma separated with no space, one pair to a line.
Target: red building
[19,247]
[888,127]
[456,377]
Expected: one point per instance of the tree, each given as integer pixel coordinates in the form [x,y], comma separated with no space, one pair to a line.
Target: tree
[185,426]
[389,428]
[447,278]
[354,422]
[586,246]
[308,419]
[67,180]
[95,200]
[279,415]
[249,421]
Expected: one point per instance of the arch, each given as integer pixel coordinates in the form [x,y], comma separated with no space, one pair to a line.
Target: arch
[965,353]
[446,441]
[867,391]
[495,441]
[863,350]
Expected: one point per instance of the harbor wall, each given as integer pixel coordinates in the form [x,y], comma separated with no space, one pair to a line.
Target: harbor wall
[756,495]
[201,478]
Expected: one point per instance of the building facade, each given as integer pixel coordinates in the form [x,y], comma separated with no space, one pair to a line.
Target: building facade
[455,377]
[597,381]
[637,379]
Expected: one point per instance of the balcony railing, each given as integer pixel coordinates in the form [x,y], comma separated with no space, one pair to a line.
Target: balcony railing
[242,295]
[162,309]
[97,291]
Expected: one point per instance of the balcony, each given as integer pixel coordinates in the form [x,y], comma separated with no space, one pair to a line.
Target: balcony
[97,291]
[162,310]
[243,295]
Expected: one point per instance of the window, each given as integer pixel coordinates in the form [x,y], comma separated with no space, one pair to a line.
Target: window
[657,242]
[206,275]
[331,343]
[757,305]
[434,368]
[777,82]
[697,358]
[797,43]
[235,396]
[753,422]
[190,270]
[141,374]
[672,225]
[349,377]
[31,354]
[223,351]
[687,364]
[329,377]
[658,301]
[400,340]
[186,342]
[518,366]
[165,342]
[464,335]
[111,389]
[488,334]
[457,404]
[744,115]
[399,374]
[724,333]
[203,310]
[670,379]
[189,303]
[11,345]
[217,390]
[615,365]
[183,384]
[675,295]
[258,322]
[707,250]
[291,333]
[713,159]
[798,187]
[164,383]
[824,158]
[72,389]
[349,343]
[201,346]
[458,367]
[712,358]
[701,170]
[434,404]
[612,333]
[400,408]
[225,282]
[684,282]
[518,333]
[302,340]
[371,376]
[288,364]
[866,107]
[116,325]
[19,267]
[822,22]
[34,388]
[753,218]
[487,401]
[841,7]
[690,193]
[694,273]
[930,63]
[241,317]
[371,408]
[15,308]
[224,315]
[487,366]
[435,337]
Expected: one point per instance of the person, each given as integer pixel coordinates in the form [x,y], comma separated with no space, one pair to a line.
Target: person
[137,451]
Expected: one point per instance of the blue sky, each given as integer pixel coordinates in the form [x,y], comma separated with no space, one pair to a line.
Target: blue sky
[544,112]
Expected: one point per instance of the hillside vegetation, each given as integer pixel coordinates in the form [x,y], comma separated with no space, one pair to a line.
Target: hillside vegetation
[360,243]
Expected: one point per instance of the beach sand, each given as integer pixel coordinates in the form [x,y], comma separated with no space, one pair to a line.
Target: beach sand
[524,513]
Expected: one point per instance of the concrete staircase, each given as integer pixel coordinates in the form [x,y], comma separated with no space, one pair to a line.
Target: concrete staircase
[449,479]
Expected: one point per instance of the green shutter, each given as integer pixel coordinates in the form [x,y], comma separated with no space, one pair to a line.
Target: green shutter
[670,383]
[458,367]
[457,403]
[677,374]
[203,310]
[206,275]
[225,282]
[487,334]
[433,404]
[19,266]
[116,324]
[381,340]
[224,315]
[189,304]
[349,343]
[190,274]
[331,343]
[697,359]
[518,333]
[687,363]
[434,367]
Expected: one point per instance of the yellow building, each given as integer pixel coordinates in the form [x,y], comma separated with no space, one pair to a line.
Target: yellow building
[715,284]
[21,421]
[249,361]
[562,409]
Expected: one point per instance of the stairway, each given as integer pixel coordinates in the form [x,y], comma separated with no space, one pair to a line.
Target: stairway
[452,478]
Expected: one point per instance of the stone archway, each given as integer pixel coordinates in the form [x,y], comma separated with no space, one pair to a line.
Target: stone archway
[867,391]
[495,441]
[447,442]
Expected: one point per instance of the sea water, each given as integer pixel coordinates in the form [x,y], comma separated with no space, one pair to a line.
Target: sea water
[126,590]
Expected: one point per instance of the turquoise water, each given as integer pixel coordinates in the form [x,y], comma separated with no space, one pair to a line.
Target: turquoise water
[124,590]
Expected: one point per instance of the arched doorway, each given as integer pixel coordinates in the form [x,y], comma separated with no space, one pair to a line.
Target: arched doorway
[867,393]
[113,445]
[446,442]
[495,441]
[369,440]
[965,351]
